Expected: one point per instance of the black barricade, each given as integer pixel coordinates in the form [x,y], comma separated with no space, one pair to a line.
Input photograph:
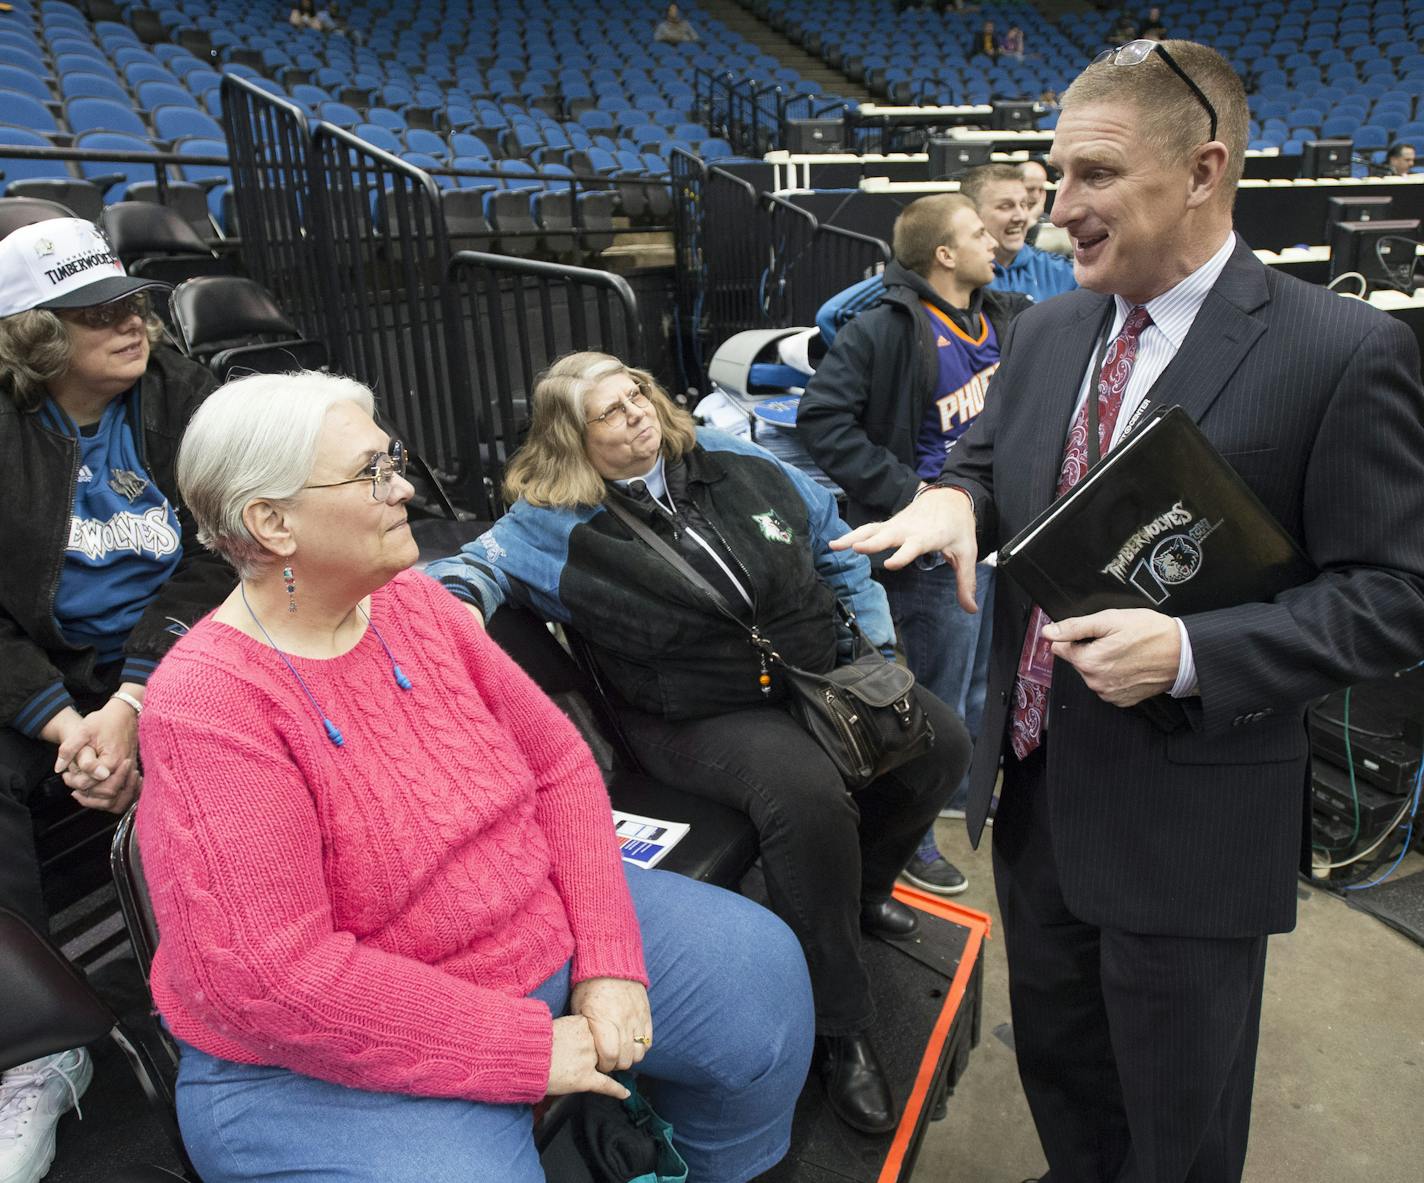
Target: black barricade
[712,99]
[773,264]
[737,268]
[689,175]
[522,314]
[385,248]
[450,353]
[278,213]
[810,263]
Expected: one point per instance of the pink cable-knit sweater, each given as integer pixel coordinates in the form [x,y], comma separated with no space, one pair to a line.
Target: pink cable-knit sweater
[375,914]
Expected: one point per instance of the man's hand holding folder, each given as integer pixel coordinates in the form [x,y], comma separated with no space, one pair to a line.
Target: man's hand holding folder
[1125,655]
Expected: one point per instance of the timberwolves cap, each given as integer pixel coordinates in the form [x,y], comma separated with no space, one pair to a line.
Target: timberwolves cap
[62,263]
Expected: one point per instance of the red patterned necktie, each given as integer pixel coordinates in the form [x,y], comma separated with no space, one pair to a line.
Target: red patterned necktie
[1036,660]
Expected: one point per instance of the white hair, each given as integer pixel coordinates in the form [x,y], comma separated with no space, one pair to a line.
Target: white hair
[255,438]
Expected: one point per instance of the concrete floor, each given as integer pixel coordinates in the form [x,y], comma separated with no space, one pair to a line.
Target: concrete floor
[1340,1074]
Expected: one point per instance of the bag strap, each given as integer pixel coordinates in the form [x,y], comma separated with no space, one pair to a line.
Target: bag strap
[642,530]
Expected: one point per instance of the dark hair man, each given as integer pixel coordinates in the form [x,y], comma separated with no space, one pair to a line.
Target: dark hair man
[901,384]
[1400,159]
[1139,873]
[1001,197]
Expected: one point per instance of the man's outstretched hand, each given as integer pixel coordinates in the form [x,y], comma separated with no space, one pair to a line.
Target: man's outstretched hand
[937,520]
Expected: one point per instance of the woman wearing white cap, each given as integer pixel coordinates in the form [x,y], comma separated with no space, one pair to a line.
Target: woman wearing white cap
[102,569]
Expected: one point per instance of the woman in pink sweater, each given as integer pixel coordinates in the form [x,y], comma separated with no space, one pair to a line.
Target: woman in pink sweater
[392,911]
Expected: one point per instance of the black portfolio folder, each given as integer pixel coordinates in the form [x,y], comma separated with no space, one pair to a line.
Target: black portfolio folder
[1162,521]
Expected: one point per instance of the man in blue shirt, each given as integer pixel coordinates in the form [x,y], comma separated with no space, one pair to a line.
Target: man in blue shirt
[1001,197]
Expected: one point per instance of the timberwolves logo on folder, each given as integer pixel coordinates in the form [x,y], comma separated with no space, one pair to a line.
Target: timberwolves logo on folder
[1174,558]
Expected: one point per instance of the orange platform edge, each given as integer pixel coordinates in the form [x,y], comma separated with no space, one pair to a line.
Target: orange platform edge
[978,924]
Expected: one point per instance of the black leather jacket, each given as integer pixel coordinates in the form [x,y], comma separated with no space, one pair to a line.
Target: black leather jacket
[43,673]
[865,403]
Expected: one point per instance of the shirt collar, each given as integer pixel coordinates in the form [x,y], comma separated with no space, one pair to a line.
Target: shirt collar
[1174,310]
[655,479]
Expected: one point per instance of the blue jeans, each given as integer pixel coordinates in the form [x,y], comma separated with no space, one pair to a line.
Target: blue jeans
[946,647]
[732,1011]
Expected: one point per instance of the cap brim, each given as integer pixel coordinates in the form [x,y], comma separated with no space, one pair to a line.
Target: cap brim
[105,291]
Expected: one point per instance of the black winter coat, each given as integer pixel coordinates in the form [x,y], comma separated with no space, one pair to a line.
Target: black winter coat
[863,407]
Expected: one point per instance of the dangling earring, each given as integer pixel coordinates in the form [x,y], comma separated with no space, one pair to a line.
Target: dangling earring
[291,581]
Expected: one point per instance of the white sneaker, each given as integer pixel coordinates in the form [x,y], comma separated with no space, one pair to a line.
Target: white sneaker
[952,813]
[33,1097]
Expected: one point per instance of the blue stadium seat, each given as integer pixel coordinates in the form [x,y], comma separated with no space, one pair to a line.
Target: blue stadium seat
[98,86]
[85,114]
[146,70]
[13,78]
[340,114]
[1339,126]
[425,161]
[309,95]
[21,110]
[476,163]
[1370,137]
[385,117]
[20,170]
[114,141]
[178,123]
[430,143]
[163,94]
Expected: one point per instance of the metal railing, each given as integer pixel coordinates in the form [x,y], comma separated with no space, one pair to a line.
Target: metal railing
[736,270]
[278,209]
[689,177]
[773,266]
[750,113]
[811,262]
[520,314]
[451,346]
[384,247]
[159,162]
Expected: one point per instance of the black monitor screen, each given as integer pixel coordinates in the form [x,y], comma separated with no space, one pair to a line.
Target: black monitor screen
[1015,116]
[1355,209]
[1383,251]
[815,135]
[950,158]
[1326,158]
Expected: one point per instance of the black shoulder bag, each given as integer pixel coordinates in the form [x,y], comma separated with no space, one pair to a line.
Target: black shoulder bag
[863,714]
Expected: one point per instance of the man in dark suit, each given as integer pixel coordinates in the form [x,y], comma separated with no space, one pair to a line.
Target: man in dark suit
[1140,869]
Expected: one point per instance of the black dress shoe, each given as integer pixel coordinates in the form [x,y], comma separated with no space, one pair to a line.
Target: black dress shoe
[855,1084]
[889,918]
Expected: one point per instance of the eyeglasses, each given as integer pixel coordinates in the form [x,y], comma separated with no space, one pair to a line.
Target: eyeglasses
[1134,53]
[617,414]
[103,316]
[383,466]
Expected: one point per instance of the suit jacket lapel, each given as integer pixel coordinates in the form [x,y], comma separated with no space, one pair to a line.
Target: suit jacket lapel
[1069,356]
[1222,334]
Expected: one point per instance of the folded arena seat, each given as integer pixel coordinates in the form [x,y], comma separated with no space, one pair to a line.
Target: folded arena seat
[154,242]
[232,325]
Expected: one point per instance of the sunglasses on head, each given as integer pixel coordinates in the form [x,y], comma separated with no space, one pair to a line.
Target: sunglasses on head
[1134,53]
